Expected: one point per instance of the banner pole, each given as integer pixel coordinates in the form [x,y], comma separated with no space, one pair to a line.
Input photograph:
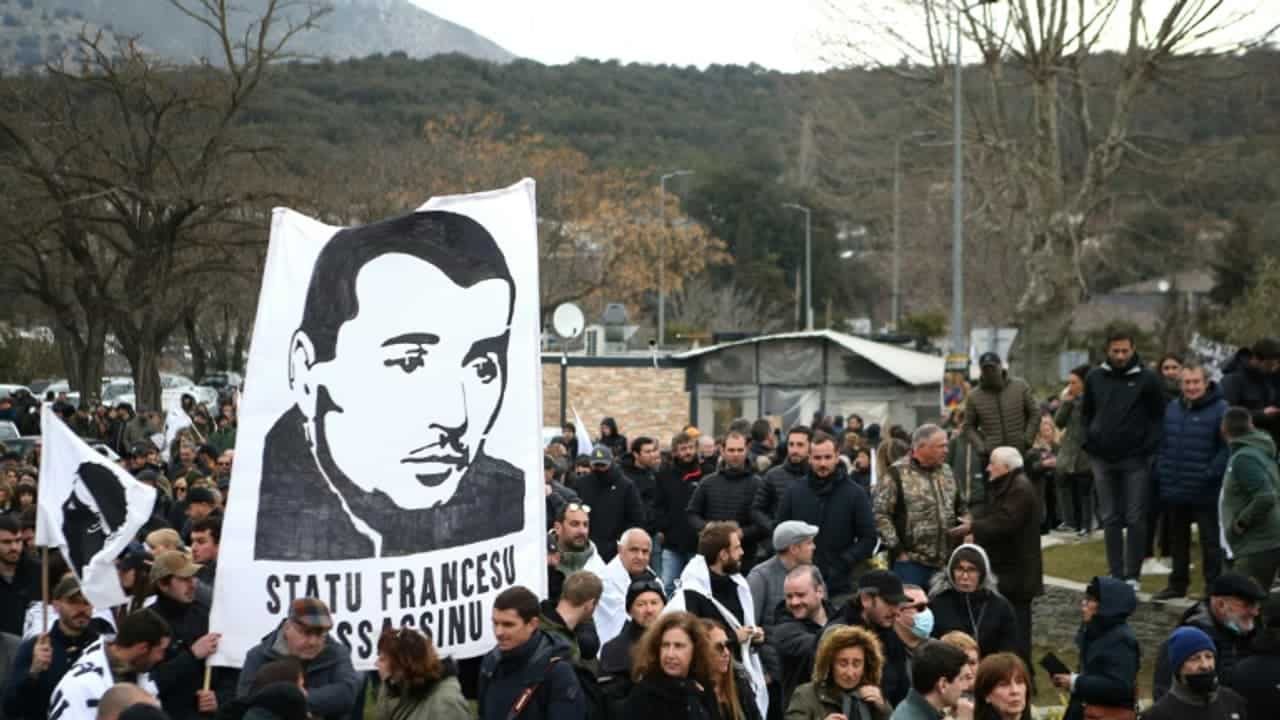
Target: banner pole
[44,589]
[208,674]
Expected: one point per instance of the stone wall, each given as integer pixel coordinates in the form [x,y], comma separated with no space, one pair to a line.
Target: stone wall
[644,400]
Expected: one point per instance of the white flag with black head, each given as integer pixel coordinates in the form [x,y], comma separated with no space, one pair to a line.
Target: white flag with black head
[89,508]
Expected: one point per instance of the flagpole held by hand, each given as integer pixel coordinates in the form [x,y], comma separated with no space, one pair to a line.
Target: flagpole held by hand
[44,589]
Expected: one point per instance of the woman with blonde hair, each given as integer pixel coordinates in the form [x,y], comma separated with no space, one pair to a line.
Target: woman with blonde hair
[674,670]
[734,694]
[846,679]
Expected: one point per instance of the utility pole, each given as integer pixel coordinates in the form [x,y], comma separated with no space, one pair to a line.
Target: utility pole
[808,263]
[662,252]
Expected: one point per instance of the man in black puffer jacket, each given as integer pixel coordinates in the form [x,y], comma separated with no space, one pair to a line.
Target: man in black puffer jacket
[730,495]
[779,478]
[614,501]
[828,499]
[1123,408]
[675,485]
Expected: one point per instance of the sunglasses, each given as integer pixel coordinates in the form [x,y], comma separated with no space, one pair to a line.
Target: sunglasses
[640,586]
[579,507]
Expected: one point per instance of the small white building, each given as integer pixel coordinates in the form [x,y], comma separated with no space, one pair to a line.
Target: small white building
[790,376]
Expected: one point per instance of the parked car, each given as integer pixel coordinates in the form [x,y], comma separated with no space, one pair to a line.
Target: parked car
[8,431]
[7,390]
[221,381]
[22,445]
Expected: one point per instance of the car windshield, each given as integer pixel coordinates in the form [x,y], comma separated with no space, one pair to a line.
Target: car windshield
[116,389]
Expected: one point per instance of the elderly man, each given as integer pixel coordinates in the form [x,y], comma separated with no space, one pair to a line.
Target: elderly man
[1196,692]
[332,683]
[1007,526]
[916,503]
[630,565]
[1229,617]
[793,546]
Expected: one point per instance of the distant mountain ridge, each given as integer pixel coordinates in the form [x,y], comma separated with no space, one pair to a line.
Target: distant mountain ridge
[35,31]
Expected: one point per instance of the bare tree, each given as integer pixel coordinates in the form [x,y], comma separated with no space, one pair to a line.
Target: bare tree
[149,177]
[1044,171]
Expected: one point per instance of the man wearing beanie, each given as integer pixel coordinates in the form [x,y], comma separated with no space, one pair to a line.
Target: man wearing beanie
[645,601]
[1229,616]
[1195,694]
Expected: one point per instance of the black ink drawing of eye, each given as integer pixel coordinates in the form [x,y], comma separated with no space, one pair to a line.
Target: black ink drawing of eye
[409,362]
[486,369]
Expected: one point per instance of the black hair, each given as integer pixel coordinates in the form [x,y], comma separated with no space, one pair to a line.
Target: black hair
[638,443]
[10,524]
[1118,334]
[934,661]
[760,429]
[458,246]
[286,670]
[820,437]
[518,598]
[1081,371]
[1170,356]
[1236,422]
[143,626]
[211,524]
[800,430]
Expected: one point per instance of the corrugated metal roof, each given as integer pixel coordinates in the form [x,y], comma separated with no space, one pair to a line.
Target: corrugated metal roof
[911,367]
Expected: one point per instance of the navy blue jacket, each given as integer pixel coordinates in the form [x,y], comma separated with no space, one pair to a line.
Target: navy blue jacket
[1109,652]
[27,697]
[1193,455]
[843,511]
[504,676]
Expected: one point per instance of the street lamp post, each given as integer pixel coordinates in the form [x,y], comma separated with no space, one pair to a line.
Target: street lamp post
[958,344]
[808,263]
[662,252]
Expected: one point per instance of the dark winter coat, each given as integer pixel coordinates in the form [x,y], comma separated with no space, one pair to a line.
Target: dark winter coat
[15,595]
[181,673]
[1007,526]
[615,442]
[1257,677]
[1072,459]
[969,467]
[1231,649]
[27,697]
[332,683]
[665,698]
[1000,416]
[1123,408]
[730,495]
[1109,652]
[615,656]
[646,484]
[774,486]
[1251,389]
[1226,705]
[895,673]
[276,701]
[984,615]
[544,660]
[796,641]
[1193,455]
[615,508]
[675,485]
[843,511]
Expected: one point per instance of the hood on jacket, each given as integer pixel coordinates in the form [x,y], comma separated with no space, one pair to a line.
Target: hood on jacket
[1133,367]
[1116,599]
[943,581]
[1255,439]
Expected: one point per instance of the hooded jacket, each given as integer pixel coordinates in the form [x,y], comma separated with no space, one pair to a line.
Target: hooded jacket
[1231,647]
[615,507]
[1247,506]
[984,614]
[1007,526]
[615,442]
[1192,454]
[1005,413]
[843,512]
[675,485]
[332,683]
[543,660]
[1109,652]
[1123,408]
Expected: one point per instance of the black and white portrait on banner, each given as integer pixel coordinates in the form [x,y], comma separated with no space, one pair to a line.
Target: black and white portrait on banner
[88,507]
[389,431]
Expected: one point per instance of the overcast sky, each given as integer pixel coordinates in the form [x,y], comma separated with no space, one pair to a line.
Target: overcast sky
[784,35]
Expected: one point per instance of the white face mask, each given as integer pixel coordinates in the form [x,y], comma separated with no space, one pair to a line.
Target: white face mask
[923,625]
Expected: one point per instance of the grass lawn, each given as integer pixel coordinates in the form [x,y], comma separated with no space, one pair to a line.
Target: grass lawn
[1082,561]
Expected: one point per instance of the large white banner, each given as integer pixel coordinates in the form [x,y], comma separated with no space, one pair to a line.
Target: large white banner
[89,508]
[388,456]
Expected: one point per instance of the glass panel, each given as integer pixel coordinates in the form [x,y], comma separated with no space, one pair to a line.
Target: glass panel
[791,406]
[720,405]
[730,365]
[846,368]
[791,362]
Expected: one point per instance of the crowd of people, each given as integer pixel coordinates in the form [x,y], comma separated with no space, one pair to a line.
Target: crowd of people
[834,571]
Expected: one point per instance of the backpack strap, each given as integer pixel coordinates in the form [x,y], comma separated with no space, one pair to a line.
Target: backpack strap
[526,695]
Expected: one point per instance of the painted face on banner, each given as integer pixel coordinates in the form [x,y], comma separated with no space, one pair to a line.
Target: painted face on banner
[416,379]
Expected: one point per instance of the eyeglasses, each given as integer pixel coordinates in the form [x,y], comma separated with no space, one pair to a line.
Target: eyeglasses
[579,507]
[966,570]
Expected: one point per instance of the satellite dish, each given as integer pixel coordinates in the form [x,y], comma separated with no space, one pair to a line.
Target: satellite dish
[568,321]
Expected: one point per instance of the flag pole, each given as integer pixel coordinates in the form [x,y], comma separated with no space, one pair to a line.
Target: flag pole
[44,589]
[208,674]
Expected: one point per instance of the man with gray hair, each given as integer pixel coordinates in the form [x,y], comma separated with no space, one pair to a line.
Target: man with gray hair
[1007,527]
[630,565]
[917,502]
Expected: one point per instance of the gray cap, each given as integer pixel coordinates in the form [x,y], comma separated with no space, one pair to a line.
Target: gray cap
[791,532]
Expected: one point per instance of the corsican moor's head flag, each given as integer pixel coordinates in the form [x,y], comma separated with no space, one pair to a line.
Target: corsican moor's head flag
[387,455]
[89,508]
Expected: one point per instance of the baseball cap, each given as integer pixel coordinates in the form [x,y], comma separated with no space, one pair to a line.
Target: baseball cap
[201,495]
[791,532]
[310,612]
[601,455]
[989,358]
[66,587]
[1236,585]
[885,584]
[173,563]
